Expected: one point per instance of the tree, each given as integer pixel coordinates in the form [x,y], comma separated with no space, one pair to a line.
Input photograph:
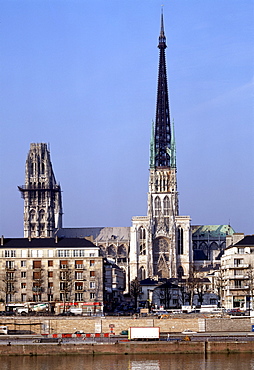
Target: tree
[135,290]
[66,283]
[220,284]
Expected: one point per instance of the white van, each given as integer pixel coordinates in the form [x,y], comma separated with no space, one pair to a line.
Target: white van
[3,329]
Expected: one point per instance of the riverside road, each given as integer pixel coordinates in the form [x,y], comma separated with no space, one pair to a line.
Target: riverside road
[200,337]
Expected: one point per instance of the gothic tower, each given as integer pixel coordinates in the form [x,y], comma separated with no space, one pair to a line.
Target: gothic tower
[161,242]
[42,195]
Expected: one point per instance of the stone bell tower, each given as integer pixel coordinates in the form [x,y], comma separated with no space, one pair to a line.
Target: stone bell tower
[41,194]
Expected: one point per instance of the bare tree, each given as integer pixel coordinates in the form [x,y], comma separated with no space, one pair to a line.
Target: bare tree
[220,284]
[135,290]
[66,284]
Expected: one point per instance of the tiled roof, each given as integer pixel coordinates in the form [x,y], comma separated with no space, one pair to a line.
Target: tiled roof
[214,231]
[47,243]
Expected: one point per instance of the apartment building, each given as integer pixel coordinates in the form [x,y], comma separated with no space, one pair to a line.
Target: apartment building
[56,270]
[235,279]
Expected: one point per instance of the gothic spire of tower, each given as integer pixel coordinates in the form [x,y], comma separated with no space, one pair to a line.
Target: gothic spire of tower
[162,121]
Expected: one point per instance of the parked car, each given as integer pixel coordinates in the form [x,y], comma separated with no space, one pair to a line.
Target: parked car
[188,332]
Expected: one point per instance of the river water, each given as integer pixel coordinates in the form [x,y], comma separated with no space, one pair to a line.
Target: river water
[240,361]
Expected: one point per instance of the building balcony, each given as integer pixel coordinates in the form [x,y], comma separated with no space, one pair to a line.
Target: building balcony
[242,287]
[233,266]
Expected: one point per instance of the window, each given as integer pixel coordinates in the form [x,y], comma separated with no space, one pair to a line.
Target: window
[75,253]
[23,297]
[10,265]
[9,254]
[50,297]
[78,297]
[92,284]
[63,264]
[23,274]
[92,273]
[240,250]
[180,240]
[78,286]
[79,275]
[166,206]
[92,295]
[157,206]
[10,287]
[238,283]
[36,264]
[9,297]
[238,272]
[64,275]
[79,264]
[37,275]
[63,253]
[92,262]
[36,297]
[92,255]
[23,263]
[50,284]
[50,263]
[50,274]
[238,261]
[63,285]
[142,241]
[9,275]
[23,285]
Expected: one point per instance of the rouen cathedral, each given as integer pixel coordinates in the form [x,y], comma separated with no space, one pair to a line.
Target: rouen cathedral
[162,244]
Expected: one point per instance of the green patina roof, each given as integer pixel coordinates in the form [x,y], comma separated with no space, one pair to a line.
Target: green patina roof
[212,230]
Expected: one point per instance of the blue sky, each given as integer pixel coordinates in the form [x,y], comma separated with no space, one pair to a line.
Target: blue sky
[82,76]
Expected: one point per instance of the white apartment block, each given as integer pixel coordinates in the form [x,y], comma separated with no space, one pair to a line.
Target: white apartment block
[51,270]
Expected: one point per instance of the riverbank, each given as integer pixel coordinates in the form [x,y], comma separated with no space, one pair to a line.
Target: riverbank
[127,348]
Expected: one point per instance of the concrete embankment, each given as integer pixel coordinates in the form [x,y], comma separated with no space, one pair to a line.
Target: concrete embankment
[126,348]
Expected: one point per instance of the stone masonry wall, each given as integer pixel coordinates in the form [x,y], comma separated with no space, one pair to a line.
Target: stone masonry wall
[42,325]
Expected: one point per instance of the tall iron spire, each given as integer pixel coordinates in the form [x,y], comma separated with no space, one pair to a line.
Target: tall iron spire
[162,140]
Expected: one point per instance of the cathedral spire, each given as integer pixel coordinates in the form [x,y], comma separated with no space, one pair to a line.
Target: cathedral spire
[162,121]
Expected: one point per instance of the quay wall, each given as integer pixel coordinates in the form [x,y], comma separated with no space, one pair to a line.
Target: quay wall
[126,348]
[53,324]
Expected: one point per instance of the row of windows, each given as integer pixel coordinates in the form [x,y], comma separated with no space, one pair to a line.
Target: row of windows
[79,264]
[39,253]
[63,286]
[63,275]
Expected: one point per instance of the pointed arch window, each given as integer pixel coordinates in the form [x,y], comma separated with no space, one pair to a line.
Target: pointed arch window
[180,272]
[180,240]
[32,216]
[142,273]
[142,241]
[166,206]
[157,206]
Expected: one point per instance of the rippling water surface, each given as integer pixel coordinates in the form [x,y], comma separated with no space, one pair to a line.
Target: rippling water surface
[128,362]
